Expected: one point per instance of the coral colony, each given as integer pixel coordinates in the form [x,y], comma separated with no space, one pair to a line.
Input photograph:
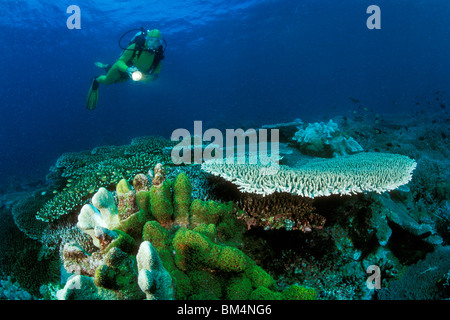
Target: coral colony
[163,220]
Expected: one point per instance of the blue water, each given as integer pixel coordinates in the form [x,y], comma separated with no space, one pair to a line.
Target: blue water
[228,63]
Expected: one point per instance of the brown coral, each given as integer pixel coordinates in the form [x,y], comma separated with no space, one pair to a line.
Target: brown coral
[279,210]
[127,204]
[141,183]
[158,176]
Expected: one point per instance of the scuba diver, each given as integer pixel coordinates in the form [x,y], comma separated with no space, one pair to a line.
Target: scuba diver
[140,61]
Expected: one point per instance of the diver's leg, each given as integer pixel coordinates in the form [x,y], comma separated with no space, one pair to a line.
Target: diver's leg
[113,76]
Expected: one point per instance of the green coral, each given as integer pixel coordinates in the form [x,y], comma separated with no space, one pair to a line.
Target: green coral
[239,288]
[231,259]
[143,201]
[156,234]
[124,242]
[202,257]
[263,293]
[191,248]
[194,250]
[182,190]
[208,211]
[183,285]
[161,203]
[297,292]
[119,273]
[208,230]
[259,277]
[206,285]
[134,223]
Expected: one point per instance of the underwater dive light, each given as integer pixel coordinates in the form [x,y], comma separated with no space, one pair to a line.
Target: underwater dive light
[137,76]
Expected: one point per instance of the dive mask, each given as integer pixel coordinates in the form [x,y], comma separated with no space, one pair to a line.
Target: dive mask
[153,42]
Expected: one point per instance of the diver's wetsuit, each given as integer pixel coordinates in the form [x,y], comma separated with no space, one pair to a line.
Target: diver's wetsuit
[118,71]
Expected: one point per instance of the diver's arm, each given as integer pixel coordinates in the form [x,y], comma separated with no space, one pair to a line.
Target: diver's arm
[124,58]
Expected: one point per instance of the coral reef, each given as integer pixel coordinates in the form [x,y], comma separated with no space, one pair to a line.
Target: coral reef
[10,290]
[385,210]
[20,258]
[24,214]
[325,140]
[101,216]
[423,280]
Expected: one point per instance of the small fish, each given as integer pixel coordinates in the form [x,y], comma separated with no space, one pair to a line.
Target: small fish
[354,100]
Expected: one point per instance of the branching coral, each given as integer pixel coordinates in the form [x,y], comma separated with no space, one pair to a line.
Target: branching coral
[77,176]
[279,210]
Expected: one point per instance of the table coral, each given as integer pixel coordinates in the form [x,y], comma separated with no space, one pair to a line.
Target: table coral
[346,175]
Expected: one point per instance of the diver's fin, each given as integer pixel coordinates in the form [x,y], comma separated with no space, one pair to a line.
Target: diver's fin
[92,95]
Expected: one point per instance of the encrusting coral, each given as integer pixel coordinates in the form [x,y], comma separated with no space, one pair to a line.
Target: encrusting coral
[190,253]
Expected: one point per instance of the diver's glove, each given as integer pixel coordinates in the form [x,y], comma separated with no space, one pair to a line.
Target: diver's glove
[130,71]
